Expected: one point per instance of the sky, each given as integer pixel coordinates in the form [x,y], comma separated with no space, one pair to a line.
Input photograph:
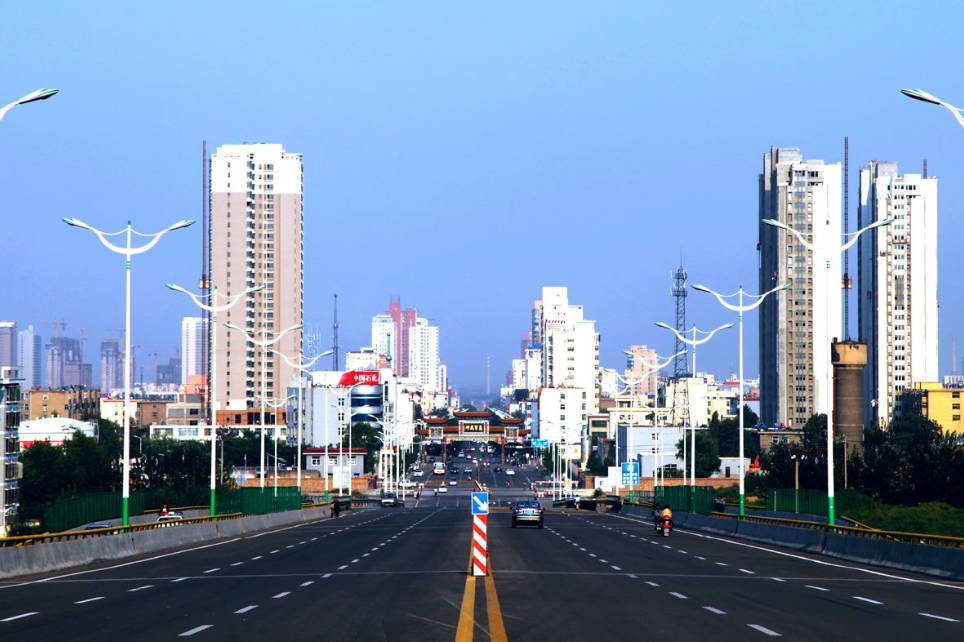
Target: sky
[459,156]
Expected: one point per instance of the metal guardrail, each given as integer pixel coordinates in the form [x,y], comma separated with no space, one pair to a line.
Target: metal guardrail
[894,536]
[43,538]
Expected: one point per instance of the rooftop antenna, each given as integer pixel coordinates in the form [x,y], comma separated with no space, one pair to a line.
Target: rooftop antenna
[334,337]
[679,293]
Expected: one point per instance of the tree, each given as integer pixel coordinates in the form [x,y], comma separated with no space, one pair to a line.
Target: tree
[727,435]
[707,454]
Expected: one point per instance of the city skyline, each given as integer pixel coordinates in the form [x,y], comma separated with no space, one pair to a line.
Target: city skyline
[484,155]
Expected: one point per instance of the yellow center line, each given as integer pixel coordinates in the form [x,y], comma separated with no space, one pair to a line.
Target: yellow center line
[496,626]
[467,613]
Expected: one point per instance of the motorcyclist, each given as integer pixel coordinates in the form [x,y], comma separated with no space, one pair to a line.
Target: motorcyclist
[666,515]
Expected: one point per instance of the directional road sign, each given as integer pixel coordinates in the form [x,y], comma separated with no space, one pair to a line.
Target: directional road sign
[540,443]
[480,503]
[630,473]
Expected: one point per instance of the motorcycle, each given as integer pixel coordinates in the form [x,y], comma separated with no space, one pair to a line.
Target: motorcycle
[667,526]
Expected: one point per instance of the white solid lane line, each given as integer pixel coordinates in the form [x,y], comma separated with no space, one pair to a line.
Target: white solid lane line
[816,588]
[763,629]
[281,595]
[17,617]
[244,610]
[866,599]
[714,610]
[140,588]
[89,599]
[196,629]
[938,617]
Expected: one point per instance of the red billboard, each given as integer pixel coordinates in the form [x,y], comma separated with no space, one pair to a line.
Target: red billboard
[356,377]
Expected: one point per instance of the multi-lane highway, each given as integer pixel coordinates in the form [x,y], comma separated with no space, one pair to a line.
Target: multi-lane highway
[401,574]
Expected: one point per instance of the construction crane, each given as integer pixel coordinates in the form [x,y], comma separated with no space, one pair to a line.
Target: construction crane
[59,327]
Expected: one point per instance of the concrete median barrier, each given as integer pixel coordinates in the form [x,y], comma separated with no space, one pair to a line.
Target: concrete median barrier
[801,539]
[919,558]
[718,525]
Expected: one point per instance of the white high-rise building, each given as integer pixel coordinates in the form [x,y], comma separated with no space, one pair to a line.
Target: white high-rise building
[570,345]
[257,238]
[8,343]
[897,285]
[30,349]
[423,359]
[384,340]
[194,347]
[564,415]
[797,326]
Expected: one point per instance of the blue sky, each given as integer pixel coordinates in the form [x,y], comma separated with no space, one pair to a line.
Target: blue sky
[457,156]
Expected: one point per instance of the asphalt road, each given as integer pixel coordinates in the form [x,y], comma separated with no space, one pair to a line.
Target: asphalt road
[401,574]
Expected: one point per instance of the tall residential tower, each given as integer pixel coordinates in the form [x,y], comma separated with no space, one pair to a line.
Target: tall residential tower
[897,282]
[797,327]
[256,237]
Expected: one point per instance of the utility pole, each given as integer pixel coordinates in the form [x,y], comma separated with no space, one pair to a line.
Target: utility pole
[334,337]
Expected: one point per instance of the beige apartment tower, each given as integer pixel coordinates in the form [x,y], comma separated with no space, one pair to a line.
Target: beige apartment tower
[256,237]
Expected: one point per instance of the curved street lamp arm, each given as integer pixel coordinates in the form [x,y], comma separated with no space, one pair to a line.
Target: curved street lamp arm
[784,226]
[157,236]
[881,223]
[745,308]
[277,405]
[693,342]
[654,366]
[232,300]
[923,96]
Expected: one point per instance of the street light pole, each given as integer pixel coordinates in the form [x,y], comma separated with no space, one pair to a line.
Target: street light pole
[923,96]
[302,368]
[265,343]
[692,342]
[128,252]
[34,96]
[213,308]
[740,308]
[822,256]
[275,406]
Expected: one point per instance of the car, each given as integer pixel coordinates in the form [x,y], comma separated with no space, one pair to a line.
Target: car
[389,499]
[418,473]
[406,483]
[510,472]
[170,516]
[443,489]
[467,471]
[527,511]
[453,482]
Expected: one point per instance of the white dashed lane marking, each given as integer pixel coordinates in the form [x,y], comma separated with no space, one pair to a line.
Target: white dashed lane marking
[816,588]
[178,579]
[281,595]
[244,610]
[308,583]
[714,610]
[89,599]
[678,595]
[653,584]
[211,570]
[867,599]
[743,570]
[19,617]
[196,629]
[938,617]
[140,588]
[237,563]
[764,630]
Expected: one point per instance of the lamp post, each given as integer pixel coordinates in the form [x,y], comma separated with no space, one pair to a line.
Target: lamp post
[825,382]
[34,96]
[302,368]
[128,252]
[213,308]
[923,96]
[265,343]
[275,406]
[692,342]
[740,308]
[651,368]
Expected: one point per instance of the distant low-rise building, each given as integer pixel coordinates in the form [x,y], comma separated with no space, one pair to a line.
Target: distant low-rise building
[54,430]
[936,402]
[72,403]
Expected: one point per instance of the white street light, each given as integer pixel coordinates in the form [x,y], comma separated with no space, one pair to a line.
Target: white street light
[923,96]
[213,308]
[302,368]
[128,252]
[265,343]
[740,309]
[34,96]
[275,406]
[652,367]
[825,380]
[692,342]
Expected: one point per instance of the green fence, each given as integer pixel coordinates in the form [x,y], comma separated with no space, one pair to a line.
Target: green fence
[258,501]
[66,512]
[697,499]
[791,500]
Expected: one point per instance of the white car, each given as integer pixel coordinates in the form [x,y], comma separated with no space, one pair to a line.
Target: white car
[443,489]
[389,499]
[418,473]
[407,483]
[452,482]
[510,472]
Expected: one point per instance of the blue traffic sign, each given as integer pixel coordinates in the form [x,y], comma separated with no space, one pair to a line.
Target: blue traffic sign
[480,503]
[540,443]
[630,473]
